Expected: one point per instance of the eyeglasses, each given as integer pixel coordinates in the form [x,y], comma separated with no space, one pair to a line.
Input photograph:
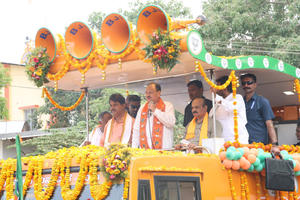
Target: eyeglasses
[248,83]
[134,107]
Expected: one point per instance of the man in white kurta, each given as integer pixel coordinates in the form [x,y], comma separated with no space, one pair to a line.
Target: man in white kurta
[95,135]
[153,127]
[224,112]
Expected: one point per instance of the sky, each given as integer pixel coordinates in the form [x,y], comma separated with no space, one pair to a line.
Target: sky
[21,18]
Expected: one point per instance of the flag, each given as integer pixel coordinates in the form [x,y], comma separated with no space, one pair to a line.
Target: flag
[19,177]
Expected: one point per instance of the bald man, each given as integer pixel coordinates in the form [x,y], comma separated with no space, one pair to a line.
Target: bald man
[201,126]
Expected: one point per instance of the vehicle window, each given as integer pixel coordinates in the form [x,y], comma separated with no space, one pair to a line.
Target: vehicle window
[177,188]
[144,192]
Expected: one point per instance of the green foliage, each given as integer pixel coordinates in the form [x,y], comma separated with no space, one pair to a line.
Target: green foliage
[174,8]
[37,66]
[58,140]
[5,79]
[253,28]
[95,20]
[163,50]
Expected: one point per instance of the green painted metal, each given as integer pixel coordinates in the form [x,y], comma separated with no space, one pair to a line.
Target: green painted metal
[238,62]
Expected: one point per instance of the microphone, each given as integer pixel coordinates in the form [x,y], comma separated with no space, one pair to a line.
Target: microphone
[149,110]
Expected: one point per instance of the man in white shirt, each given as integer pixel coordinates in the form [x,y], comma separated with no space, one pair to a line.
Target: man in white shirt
[224,112]
[95,135]
[153,127]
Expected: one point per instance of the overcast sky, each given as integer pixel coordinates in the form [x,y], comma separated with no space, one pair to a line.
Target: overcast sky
[21,18]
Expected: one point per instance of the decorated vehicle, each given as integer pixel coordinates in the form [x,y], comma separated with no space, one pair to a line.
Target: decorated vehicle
[128,58]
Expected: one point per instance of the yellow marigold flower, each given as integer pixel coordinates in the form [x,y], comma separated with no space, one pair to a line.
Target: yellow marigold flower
[156,46]
[171,49]
[39,72]
[170,56]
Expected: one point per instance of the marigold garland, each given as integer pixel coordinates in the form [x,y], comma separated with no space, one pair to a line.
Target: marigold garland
[297,87]
[232,188]
[61,107]
[246,185]
[257,179]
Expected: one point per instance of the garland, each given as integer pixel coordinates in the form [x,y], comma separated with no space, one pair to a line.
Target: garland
[61,107]
[37,66]
[232,188]
[297,87]
[257,179]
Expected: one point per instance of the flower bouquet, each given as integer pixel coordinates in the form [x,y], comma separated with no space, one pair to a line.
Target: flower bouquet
[163,50]
[115,162]
[37,66]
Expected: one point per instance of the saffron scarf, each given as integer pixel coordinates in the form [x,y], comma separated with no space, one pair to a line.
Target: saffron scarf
[192,126]
[95,130]
[157,129]
[126,131]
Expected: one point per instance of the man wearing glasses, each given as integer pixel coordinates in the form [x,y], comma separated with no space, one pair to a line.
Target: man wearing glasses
[134,103]
[153,127]
[259,115]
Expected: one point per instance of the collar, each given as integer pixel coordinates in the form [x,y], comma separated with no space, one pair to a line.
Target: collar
[254,97]
[229,97]
[122,120]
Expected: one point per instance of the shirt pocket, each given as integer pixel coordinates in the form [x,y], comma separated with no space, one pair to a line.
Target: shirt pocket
[253,114]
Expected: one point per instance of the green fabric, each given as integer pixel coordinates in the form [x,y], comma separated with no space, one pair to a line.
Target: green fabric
[19,189]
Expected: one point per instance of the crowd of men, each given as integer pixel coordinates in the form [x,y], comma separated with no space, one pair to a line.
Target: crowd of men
[150,125]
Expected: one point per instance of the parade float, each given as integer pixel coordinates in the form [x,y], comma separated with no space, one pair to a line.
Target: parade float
[163,49]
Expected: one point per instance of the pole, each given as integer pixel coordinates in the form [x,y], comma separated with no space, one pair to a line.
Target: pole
[213,103]
[87,112]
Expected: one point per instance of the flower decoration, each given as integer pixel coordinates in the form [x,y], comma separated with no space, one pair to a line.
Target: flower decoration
[37,66]
[116,161]
[163,50]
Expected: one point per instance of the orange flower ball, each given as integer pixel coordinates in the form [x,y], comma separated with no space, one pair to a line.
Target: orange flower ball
[227,163]
[247,165]
[253,151]
[297,167]
[235,165]
[242,161]
[246,152]
[223,155]
[251,158]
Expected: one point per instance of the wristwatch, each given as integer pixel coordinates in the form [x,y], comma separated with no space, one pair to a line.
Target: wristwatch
[275,143]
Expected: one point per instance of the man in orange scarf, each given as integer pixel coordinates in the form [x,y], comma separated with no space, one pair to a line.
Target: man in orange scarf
[153,127]
[201,126]
[95,135]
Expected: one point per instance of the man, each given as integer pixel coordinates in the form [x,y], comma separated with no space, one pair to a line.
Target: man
[153,128]
[119,128]
[259,114]
[95,136]
[298,134]
[200,127]
[195,89]
[134,102]
[224,112]
[127,103]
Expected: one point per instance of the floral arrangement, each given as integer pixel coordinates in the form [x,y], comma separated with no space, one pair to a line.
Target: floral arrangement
[37,66]
[116,161]
[163,50]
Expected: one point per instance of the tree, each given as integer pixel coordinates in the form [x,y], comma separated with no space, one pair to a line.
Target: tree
[255,27]
[95,21]
[5,80]
[174,8]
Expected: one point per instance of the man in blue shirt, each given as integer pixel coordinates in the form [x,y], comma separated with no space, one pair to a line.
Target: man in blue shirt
[259,114]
